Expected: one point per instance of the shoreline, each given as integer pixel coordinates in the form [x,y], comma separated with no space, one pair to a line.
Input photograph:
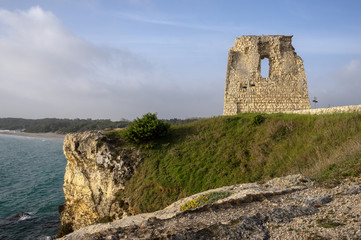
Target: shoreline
[33,135]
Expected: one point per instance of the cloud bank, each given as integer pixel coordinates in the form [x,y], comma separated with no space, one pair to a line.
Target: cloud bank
[47,71]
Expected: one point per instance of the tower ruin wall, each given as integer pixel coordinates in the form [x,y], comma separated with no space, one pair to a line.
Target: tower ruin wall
[285,89]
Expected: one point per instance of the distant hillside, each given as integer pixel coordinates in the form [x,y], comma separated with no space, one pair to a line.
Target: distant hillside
[220,151]
[61,126]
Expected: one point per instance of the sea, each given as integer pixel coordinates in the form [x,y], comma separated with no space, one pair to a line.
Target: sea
[31,178]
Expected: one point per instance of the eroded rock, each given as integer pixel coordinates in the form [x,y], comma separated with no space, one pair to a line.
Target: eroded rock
[240,194]
[292,207]
[95,173]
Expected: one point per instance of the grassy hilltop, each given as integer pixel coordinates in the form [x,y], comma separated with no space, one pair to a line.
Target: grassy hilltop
[222,151]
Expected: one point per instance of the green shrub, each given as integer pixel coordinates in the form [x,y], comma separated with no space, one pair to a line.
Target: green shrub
[145,129]
[257,120]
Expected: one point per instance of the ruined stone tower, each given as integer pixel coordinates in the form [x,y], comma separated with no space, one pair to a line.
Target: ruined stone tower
[284,89]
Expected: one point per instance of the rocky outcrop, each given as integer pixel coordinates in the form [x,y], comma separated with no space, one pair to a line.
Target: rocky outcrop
[240,194]
[96,172]
[291,207]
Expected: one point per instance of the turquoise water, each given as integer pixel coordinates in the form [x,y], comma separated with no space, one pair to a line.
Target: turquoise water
[31,178]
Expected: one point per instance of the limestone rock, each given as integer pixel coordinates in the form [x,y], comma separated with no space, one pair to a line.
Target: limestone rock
[95,173]
[242,193]
[354,189]
[291,207]
[285,89]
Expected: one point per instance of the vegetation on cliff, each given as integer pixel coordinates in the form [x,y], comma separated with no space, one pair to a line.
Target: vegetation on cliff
[146,129]
[221,151]
[60,126]
[63,126]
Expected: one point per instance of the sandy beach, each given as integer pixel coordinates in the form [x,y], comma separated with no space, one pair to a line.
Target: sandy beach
[36,135]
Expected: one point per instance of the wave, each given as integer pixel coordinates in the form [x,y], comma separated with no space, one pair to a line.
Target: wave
[15,218]
[25,217]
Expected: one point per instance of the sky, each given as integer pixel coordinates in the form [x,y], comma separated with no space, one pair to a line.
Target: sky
[120,59]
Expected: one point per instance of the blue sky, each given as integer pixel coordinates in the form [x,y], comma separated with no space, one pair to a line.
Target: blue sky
[121,59]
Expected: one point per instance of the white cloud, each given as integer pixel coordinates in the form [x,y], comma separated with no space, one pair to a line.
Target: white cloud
[157,20]
[44,65]
[47,71]
[142,19]
[353,67]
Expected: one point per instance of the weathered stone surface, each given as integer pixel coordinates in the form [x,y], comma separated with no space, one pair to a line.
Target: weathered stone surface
[94,174]
[354,189]
[298,209]
[284,90]
[241,194]
[330,110]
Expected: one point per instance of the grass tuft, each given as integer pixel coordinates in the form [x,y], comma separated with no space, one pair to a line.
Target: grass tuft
[328,223]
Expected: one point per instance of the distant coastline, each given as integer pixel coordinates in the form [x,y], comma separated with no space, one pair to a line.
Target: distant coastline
[35,135]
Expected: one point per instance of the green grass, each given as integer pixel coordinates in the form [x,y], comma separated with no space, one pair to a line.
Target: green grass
[227,150]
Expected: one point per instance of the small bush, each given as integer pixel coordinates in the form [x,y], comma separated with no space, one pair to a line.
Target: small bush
[257,120]
[145,129]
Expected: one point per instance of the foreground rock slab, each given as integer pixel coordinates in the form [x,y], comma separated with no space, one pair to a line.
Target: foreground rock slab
[283,208]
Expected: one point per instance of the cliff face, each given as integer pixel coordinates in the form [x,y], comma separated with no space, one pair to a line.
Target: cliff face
[96,172]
